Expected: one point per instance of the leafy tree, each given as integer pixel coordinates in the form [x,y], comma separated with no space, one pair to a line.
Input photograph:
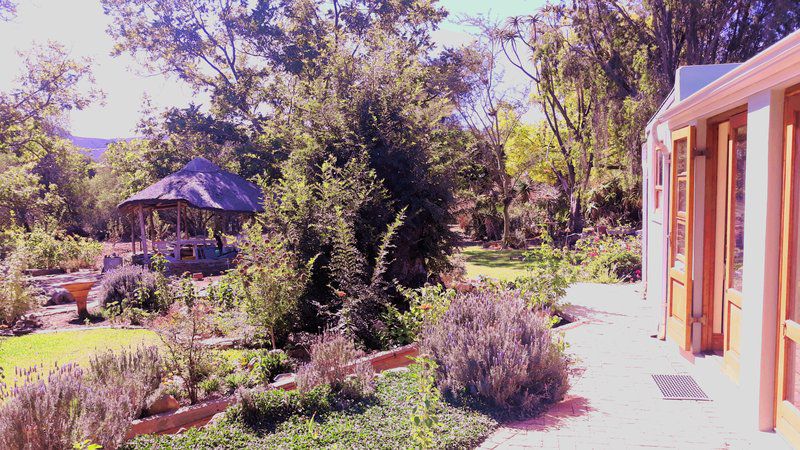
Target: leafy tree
[294,83]
[566,90]
[269,281]
[492,114]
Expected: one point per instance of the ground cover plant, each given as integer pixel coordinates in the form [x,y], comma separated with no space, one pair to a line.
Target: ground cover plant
[378,422]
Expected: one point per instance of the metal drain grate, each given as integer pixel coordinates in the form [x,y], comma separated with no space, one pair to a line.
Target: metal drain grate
[679,387]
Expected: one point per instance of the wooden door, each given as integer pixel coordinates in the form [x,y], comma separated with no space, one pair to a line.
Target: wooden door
[679,302]
[788,386]
[734,243]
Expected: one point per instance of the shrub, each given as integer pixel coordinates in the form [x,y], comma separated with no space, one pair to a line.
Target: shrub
[44,249]
[425,305]
[494,346]
[129,287]
[334,362]
[549,275]
[139,372]
[269,281]
[236,380]
[267,364]
[222,293]
[609,259]
[210,385]
[181,329]
[427,399]
[16,296]
[267,408]
[64,409]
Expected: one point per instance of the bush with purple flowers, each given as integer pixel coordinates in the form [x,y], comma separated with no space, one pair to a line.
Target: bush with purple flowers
[493,346]
[65,407]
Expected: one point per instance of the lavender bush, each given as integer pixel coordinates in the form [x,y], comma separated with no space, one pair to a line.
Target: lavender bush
[129,286]
[138,372]
[493,346]
[333,363]
[61,409]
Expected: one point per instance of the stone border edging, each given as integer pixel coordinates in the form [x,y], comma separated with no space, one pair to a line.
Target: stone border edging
[201,413]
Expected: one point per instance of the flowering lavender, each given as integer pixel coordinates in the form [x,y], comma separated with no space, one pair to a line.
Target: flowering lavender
[492,345]
[55,411]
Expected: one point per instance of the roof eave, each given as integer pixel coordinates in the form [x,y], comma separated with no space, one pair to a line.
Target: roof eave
[773,67]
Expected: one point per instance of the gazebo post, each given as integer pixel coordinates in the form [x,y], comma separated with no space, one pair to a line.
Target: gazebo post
[178,234]
[143,230]
[133,238]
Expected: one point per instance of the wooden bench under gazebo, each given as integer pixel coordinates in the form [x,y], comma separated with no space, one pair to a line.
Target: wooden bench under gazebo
[199,185]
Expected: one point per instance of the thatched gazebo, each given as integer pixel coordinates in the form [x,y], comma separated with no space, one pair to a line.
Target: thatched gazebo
[200,185]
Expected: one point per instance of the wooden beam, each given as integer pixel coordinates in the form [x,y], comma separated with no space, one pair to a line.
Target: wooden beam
[133,237]
[143,230]
[178,234]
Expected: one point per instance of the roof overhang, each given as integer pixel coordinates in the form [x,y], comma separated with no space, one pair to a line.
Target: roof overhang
[778,66]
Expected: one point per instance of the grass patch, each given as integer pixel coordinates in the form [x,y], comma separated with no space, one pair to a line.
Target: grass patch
[499,264]
[377,423]
[49,349]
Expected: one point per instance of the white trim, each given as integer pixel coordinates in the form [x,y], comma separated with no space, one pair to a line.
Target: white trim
[773,67]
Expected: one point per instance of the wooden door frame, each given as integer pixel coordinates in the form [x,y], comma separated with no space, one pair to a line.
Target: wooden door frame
[788,261]
[711,341]
[682,337]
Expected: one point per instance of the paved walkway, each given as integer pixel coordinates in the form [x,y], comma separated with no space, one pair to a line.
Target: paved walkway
[613,402]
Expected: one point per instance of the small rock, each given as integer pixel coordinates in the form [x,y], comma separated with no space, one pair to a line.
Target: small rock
[162,404]
[60,296]
[283,376]
[219,342]
[396,370]
[215,419]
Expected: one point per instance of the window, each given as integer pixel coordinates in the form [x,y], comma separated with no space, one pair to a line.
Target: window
[658,181]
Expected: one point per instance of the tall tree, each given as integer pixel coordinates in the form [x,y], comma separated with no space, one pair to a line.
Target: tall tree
[490,110]
[566,92]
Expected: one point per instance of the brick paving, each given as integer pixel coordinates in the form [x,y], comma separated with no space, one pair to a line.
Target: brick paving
[613,402]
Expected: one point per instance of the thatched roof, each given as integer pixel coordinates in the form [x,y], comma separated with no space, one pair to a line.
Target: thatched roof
[202,185]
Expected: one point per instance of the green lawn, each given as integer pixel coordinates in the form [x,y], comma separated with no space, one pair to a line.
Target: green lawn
[48,349]
[499,264]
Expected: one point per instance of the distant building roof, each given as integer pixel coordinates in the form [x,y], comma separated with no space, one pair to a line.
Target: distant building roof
[203,185]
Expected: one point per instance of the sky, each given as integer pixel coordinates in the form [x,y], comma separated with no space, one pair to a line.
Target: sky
[80,25]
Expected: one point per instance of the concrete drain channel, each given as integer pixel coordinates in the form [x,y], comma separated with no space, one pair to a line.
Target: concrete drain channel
[679,387]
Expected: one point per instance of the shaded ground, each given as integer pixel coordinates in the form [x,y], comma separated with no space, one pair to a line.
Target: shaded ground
[613,401]
[500,264]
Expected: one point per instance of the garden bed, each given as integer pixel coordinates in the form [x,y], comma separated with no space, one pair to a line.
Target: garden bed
[199,415]
[378,422]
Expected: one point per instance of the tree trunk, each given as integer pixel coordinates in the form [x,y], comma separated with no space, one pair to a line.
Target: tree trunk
[575,224]
[507,221]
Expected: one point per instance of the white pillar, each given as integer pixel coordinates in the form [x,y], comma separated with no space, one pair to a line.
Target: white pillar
[178,234]
[143,230]
[761,254]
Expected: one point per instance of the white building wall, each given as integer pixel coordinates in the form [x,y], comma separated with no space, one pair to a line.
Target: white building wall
[763,182]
